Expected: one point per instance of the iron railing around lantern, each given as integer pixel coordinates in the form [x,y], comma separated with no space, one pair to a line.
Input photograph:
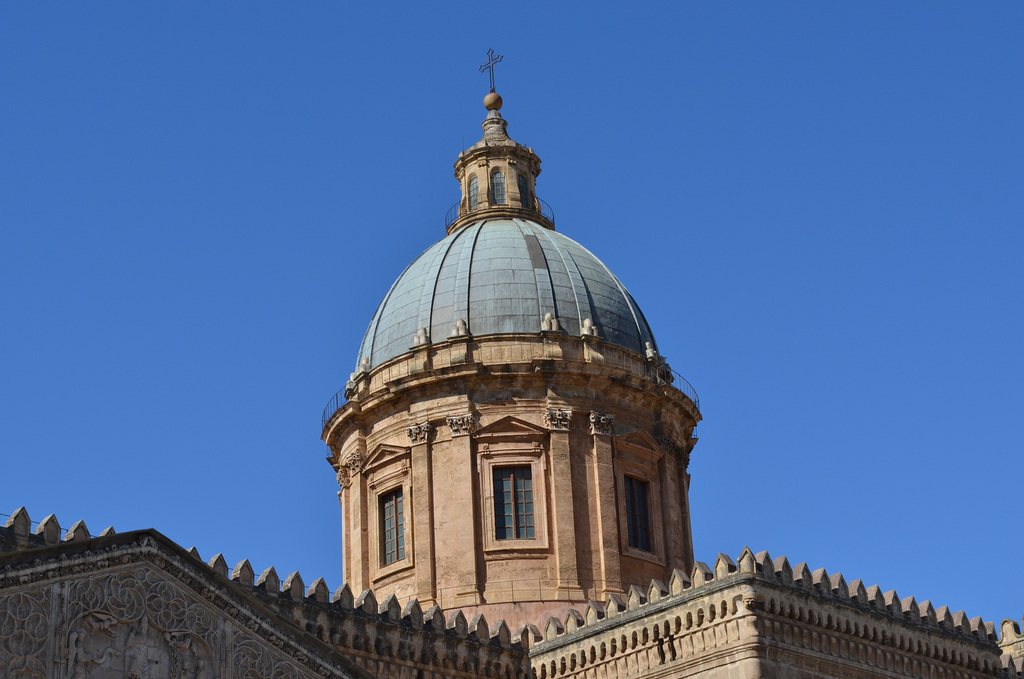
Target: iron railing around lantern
[533,204]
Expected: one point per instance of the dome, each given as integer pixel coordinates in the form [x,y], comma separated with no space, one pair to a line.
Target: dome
[502,276]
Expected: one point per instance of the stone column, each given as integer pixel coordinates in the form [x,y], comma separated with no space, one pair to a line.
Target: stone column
[563,513]
[682,469]
[671,511]
[422,513]
[344,496]
[607,519]
[675,506]
[360,552]
[459,509]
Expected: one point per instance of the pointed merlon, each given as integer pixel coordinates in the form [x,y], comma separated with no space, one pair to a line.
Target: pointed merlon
[318,591]
[413,613]
[909,607]
[656,591]
[928,616]
[802,576]
[219,565]
[243,573]
[295,589]
[343,598]
[573,620]
[593,613]
[552,629]
[723,566]
[77,533]
[635,598]
[875,598]
[945,618]
[458,622]
[269,582]
[678,582]
[49,530]
[746,563]
[837,583]
[614,605]
[892,603]
[478,628]
[783,570]
[194,553]
[391,608]
[367,602]
[501,634]
[109,530]
[433,619]
[764,563]
[20,523]
[858,593]
[822,582]
[701,574]
[526,636]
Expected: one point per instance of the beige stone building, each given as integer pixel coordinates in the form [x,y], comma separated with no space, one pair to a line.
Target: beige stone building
[511,453]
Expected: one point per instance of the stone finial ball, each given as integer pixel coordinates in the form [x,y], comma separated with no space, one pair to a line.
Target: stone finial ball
[492,102]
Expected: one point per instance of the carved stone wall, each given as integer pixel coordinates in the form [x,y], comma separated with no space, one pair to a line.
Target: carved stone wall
[126,610]
[763,618]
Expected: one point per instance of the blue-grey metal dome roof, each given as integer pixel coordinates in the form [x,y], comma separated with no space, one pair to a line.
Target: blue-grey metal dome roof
[502,276]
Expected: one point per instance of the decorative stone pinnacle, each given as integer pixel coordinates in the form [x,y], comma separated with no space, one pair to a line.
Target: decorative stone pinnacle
[494,127]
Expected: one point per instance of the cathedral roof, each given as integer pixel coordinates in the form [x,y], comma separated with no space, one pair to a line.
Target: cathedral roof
[503,275]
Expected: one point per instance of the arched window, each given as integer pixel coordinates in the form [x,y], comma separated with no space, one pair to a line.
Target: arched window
[525,199]
[474,192]
[498,188]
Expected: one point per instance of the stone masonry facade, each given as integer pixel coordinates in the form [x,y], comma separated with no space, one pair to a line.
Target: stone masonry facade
[136,605]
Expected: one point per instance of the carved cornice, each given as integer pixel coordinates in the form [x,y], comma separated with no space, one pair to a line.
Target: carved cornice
[601,423]
[557,419]
[461,425]
[418,433]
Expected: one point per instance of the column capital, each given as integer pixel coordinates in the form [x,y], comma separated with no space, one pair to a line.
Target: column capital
[557,419]
[460,425]
[601,423]
[418,433]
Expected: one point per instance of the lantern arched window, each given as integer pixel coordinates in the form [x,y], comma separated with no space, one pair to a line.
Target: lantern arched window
[474,192]
[498,188]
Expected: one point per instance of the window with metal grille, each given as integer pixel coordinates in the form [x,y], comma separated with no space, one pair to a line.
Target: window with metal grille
[498,188]
[637,514]
[525,199]
[474,192]
[513,503]
[392,527]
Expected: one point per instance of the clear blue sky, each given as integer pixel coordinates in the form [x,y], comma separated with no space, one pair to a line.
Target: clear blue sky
[818,205]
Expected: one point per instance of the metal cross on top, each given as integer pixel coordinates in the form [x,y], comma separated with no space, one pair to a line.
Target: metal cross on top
[492,59]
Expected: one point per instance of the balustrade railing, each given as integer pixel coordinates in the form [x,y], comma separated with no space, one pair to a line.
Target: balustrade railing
[332,407]
[514,201]
[662,374]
